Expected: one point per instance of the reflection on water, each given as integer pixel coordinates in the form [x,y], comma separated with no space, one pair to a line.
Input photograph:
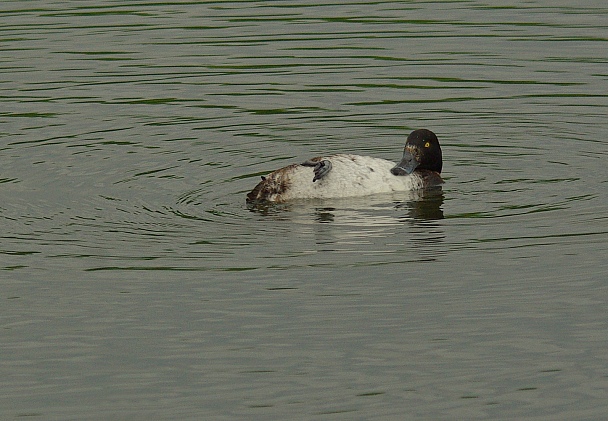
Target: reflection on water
[421,205]
[426,208]
[138,284]
[376,229]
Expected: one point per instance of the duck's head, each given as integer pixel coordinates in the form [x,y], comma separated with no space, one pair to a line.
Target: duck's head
[422,151]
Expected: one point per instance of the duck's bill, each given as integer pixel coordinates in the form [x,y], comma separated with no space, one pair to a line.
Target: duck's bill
[407,165]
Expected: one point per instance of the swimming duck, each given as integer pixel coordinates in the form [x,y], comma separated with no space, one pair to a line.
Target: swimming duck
[346,175]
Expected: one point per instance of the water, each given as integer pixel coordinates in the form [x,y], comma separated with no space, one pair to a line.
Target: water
[137,284]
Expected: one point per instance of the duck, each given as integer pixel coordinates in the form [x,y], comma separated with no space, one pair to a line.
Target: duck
[347,175]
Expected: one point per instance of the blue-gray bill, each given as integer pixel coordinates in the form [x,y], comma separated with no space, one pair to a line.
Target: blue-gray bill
[407,165]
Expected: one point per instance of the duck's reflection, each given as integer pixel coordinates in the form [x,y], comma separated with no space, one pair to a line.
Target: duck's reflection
[371,226]
[422,205]
[419,205]
[427,207]
[325,215]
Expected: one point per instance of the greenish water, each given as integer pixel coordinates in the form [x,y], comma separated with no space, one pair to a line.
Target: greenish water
[137,284]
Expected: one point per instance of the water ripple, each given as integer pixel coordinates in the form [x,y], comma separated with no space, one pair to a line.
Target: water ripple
[132,132]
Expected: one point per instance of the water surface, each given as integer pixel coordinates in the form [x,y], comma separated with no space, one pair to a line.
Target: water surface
[137,284]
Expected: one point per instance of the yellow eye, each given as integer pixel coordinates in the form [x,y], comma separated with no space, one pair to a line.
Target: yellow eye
[427,144]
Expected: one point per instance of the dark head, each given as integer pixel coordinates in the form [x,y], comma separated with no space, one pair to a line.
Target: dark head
[422,152]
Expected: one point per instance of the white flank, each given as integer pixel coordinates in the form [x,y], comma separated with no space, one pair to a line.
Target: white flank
[351,175]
